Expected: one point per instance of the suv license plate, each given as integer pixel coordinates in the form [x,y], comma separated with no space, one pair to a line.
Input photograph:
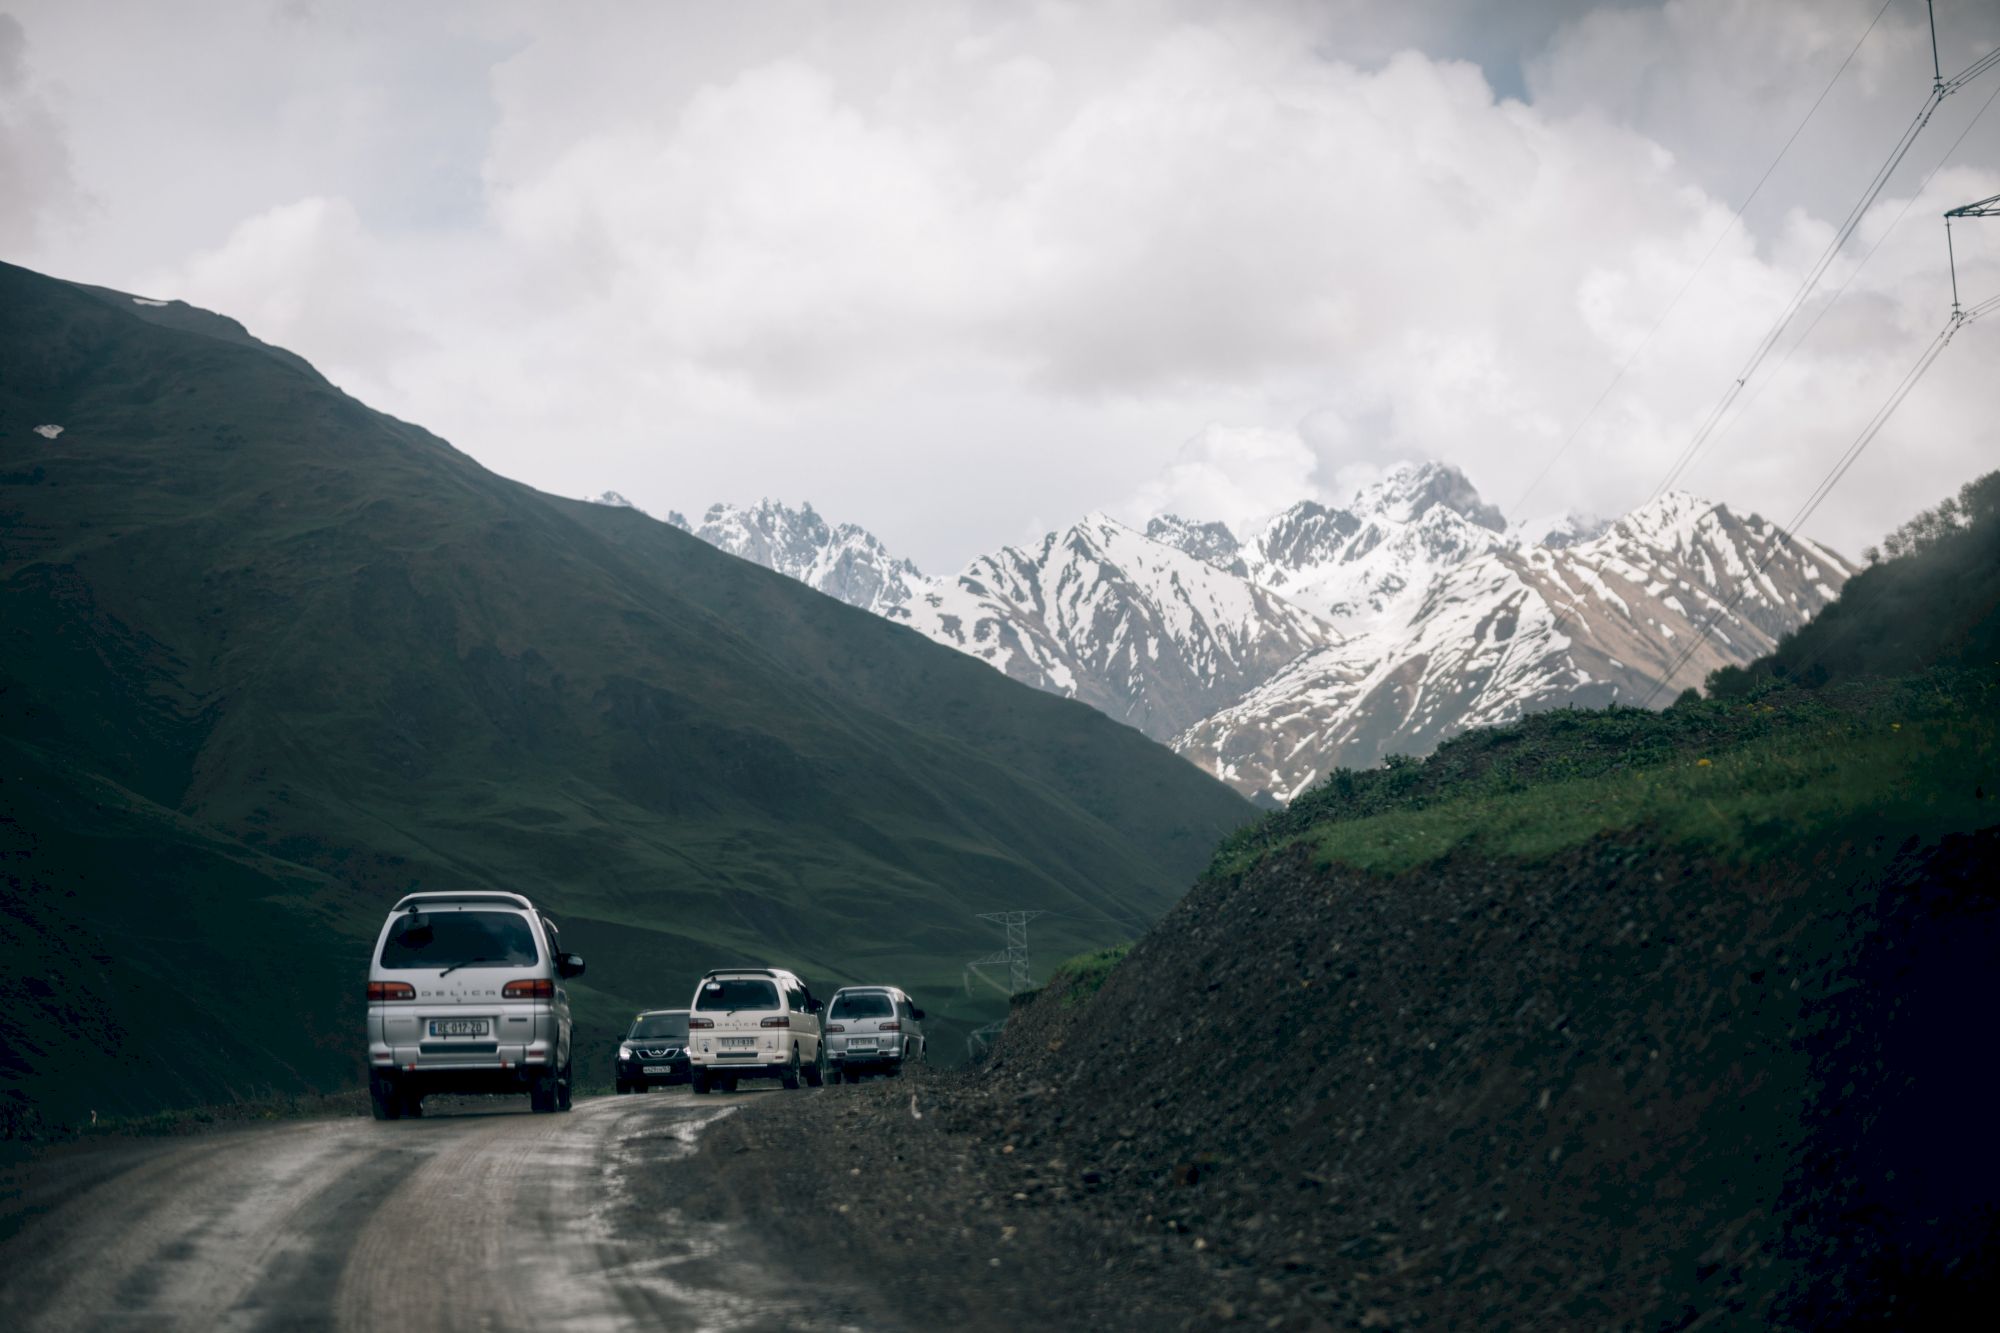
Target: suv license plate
[458,1027]
[657,1069]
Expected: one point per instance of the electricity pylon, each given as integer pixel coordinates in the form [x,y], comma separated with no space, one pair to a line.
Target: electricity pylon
[1015,958]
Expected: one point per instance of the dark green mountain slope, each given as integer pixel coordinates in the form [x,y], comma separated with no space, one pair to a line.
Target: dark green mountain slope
[297,656]
[1935,602]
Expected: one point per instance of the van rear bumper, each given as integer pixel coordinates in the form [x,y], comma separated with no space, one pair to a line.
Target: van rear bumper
[425,1080]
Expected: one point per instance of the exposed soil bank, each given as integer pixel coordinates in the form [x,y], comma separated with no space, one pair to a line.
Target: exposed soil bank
[1625,1089]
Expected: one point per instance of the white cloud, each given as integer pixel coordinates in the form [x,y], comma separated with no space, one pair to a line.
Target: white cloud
[942,267]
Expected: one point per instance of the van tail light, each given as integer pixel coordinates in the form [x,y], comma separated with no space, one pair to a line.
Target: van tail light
[695,1024]
[891,1026]
[379,991]
[541,988]
[836,1027]
[783,1021]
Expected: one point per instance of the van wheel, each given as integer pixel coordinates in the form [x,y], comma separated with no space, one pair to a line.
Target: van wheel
[384,1099]
[729,1082]
[816,1071]
[698,1082]
[565,1089]
[790,1077]
[542,1094]
[413,1105]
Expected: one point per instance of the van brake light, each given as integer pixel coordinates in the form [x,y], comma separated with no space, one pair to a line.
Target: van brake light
[779,1022]
[891,1026]
[694,1023]
[539,989]
[390,990]
[836,1027]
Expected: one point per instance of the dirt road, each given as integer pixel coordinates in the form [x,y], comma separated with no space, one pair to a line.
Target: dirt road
[492,1218]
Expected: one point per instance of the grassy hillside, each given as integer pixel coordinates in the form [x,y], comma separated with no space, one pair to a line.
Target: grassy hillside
[302,657]
[1606,1019]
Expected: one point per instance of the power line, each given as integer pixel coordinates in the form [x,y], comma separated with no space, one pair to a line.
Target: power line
[1941,88]
[1827,307]
[1713,245]
[1839,470]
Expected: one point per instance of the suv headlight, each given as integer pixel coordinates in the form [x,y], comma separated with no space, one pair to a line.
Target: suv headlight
[624,1052]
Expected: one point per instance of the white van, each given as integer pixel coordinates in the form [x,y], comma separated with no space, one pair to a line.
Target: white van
[753,1022]
[466,993]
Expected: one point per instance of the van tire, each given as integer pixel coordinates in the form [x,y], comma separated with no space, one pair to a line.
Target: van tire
[542,1094]
[384,1100]
[698,1082]
[816,1071]
[729,1082]
[566,1089]
[413,1105]
[789,1076]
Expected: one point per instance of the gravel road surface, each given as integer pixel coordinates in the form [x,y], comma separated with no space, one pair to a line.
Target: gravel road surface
[488,1218]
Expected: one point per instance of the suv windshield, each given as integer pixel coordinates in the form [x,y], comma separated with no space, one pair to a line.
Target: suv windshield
[660,1025]
[737,993]
[862,1004]
[460,939]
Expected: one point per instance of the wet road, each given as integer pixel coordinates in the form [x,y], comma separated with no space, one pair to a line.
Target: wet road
[491,1219]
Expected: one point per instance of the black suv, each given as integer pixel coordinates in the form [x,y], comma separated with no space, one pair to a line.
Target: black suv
[654,1051]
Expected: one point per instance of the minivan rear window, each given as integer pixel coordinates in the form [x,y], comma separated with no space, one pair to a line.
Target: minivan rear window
[865,1004]
[737,993]
[460,939]
[660,1025]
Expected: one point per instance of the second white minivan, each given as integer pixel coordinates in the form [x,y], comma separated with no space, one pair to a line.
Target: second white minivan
[753,1022]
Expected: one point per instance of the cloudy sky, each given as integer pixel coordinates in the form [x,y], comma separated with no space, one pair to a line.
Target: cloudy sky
[961,270]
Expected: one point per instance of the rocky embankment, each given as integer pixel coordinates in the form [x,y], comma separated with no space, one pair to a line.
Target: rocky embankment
[1619,1090]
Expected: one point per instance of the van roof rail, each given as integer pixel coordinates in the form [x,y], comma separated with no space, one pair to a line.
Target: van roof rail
[745,971]
[415,900]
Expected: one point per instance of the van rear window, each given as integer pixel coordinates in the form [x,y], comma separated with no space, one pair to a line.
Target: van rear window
[737,993]
[865,1004]
[459,939]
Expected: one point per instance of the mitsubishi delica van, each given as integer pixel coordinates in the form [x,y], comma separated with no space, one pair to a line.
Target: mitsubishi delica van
[466,993]
[753,1022]
[872,1030]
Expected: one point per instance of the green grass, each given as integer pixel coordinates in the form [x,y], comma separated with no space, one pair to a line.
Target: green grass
[1087,972]
[1736,778]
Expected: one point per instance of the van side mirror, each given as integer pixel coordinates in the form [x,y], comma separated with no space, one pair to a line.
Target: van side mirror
[569,965]
[917,1014]
[814,1005]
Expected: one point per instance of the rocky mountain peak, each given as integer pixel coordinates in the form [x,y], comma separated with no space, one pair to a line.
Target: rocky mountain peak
[1211,542]
[1410,490]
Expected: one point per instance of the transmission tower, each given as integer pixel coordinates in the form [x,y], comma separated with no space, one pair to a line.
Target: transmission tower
[1014,958]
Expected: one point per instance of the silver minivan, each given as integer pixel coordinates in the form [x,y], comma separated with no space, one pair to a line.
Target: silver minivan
[466,993]
[872,1030]
[753,1022]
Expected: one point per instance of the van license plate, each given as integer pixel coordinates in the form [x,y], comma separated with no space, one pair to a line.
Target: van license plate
[739,1041]
[458,1027]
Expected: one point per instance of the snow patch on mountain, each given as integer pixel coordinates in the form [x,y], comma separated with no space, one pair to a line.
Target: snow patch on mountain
[841,560]
[1133,625]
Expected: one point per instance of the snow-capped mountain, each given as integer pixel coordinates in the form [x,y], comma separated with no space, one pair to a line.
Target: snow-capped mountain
[1134,626]
[843,561]
[1334,635]
[1363,565]
[1513,631]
